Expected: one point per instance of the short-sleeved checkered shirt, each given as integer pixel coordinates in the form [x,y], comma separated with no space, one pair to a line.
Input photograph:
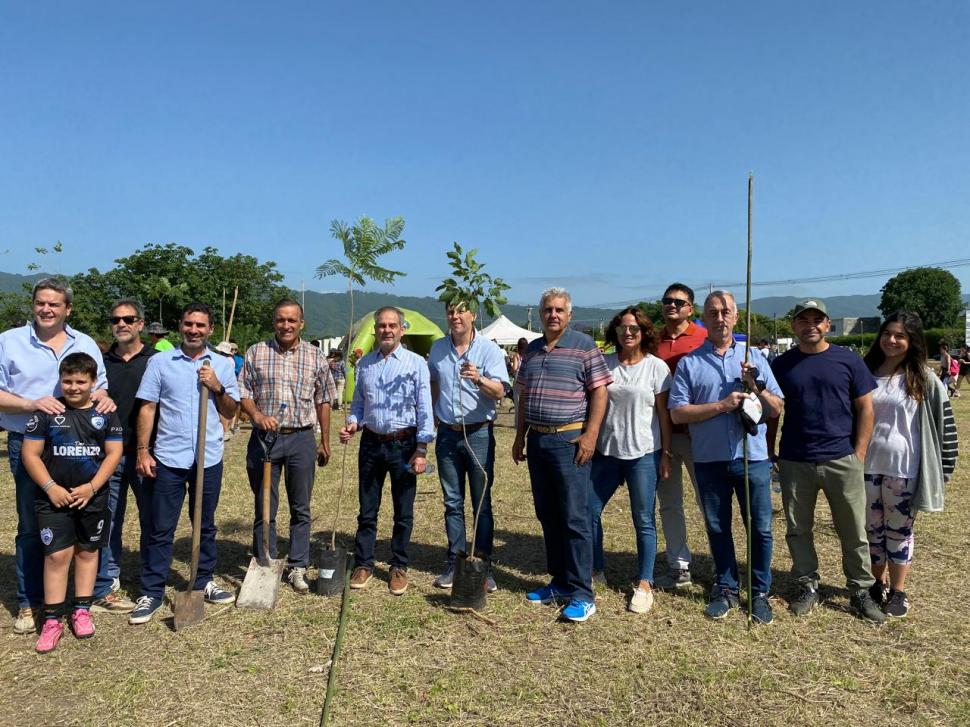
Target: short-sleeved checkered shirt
[299,378]
[556,381]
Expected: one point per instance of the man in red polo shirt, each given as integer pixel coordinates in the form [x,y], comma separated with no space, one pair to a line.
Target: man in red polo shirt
[679,336]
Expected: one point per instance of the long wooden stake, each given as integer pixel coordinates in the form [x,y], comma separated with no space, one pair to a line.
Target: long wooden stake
[232,314]
[747,349]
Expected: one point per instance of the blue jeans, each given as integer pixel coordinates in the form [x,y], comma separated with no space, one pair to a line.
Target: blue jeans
[455,464]
[717,482]
[375,461]
[641,476]
[296,453]
[560,491]
[168,495]
[124,477]
[29,550]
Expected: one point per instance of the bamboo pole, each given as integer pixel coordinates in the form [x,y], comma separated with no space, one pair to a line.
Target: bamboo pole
[747,354]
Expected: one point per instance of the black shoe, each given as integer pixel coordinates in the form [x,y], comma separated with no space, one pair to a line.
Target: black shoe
[879,592]
[804,601]
[897,605]
[761,609]
[861,602]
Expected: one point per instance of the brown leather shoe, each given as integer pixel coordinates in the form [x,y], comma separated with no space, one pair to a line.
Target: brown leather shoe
[360,577]
[399,581]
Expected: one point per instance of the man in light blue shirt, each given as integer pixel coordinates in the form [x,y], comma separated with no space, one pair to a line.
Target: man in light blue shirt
[710,385]
[172,387]
[468,377]
[392,404]
[29,359]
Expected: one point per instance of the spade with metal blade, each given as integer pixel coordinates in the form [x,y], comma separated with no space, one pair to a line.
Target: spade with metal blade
[190,605]
[261,586]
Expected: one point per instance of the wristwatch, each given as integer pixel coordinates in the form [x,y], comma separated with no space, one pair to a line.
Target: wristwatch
[222,390]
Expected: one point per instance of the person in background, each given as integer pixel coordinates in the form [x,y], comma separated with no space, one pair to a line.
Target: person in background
[964,360]
[911,454]
[156,334]
[515,363]
[29,359]
[339,373]
[125,364]
[947,367]
[633,444]
[678,337]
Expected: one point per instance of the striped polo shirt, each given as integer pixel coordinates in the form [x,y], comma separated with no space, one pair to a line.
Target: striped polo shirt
[556,381]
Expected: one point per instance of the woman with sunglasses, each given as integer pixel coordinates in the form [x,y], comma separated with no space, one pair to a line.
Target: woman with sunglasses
[634,442]
[911,454]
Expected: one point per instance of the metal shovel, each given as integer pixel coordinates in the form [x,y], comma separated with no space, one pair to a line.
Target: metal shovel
[189,605]
[261,586]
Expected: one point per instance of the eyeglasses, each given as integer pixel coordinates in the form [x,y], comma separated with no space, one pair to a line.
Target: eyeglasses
[115,320]
[621,330]
[675,302]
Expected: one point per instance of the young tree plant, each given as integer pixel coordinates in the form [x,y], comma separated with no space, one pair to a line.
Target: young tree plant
[470,286]
[364,243]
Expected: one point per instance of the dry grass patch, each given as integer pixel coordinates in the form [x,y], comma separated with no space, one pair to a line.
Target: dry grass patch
[410,660]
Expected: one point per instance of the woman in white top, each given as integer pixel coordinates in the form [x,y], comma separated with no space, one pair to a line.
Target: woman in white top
[634,442]
[911,454]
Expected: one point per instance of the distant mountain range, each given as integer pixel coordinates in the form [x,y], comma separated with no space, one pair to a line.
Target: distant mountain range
[327,313]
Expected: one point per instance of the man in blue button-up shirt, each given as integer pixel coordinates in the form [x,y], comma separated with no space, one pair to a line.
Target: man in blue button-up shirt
[709,387]
[468,377]
[29,359]
[172,386]
[392,403]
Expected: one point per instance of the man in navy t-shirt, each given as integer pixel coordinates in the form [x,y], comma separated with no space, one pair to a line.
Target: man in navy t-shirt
[828,422]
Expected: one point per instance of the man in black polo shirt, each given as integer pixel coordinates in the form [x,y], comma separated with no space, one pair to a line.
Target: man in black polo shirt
[125,364]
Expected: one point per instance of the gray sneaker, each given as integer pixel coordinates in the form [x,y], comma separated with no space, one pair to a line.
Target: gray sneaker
[112,603]
[862,604]
[446,578]
[674,578]
[806,599]
[26,622]
[297,579]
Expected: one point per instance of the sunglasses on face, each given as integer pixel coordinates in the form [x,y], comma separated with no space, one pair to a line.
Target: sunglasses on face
[115,320]
[675,302]
[621,330]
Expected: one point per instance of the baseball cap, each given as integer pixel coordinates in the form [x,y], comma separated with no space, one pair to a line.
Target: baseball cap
[810,304]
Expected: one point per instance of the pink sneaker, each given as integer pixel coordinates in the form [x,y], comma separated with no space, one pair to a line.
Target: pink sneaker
[81,623]
[50,635]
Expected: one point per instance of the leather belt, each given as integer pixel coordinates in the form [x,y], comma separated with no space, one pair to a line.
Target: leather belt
[468,427]
[392,436]
[292,430]
[554,428]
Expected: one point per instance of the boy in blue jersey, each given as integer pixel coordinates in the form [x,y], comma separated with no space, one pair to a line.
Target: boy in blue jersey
[70,457]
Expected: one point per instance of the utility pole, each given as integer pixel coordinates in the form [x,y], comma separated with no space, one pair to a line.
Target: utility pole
[303,295]
[529,324]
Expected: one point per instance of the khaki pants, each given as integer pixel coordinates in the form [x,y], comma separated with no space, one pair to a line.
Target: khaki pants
[670,495]
[842,482]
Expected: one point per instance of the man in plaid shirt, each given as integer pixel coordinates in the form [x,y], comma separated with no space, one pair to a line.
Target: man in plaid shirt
[287,370]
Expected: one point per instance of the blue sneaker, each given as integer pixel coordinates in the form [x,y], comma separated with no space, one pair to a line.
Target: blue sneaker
[722,601]
[144,610]
[578,611]
[546,595]
[214,594]
[761,609]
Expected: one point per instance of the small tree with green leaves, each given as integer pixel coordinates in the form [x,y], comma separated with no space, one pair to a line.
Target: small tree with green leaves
[364,243]
[470,286]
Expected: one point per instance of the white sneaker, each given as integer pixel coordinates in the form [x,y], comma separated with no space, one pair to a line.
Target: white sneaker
[641,601]
[297,579]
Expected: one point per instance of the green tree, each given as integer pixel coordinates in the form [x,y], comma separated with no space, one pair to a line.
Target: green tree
[364,243]
[934,293]
[653,311]
[470,286]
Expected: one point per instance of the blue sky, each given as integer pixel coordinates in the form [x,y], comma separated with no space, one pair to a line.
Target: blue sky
[600,146]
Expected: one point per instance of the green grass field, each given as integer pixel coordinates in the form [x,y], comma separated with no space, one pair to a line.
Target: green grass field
[410,660]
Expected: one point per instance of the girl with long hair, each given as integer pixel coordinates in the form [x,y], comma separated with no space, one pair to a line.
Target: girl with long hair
[911,455]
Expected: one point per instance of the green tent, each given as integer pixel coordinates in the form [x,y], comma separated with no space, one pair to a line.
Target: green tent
[420,333]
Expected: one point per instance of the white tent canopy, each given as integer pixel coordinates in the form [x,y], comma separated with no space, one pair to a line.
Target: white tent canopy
[505,333]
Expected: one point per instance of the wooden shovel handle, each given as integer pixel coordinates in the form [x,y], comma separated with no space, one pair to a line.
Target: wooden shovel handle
[267,483]
[199,481]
